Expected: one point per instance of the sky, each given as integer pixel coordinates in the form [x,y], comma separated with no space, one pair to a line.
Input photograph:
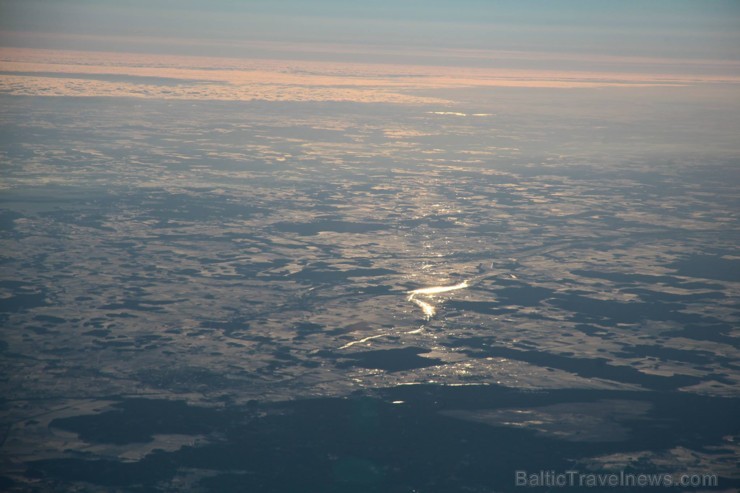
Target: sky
[708,29]
[396,51]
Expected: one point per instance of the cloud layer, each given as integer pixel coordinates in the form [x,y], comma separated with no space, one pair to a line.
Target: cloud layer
[40,72]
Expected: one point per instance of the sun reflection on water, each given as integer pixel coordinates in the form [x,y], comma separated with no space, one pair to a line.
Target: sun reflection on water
[429,309]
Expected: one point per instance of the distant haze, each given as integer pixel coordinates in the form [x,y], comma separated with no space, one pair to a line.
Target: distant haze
[672,29]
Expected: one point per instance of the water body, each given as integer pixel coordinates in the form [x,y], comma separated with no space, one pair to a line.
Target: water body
[429,309]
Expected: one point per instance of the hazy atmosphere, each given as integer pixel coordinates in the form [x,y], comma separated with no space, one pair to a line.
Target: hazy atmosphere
[393,247]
